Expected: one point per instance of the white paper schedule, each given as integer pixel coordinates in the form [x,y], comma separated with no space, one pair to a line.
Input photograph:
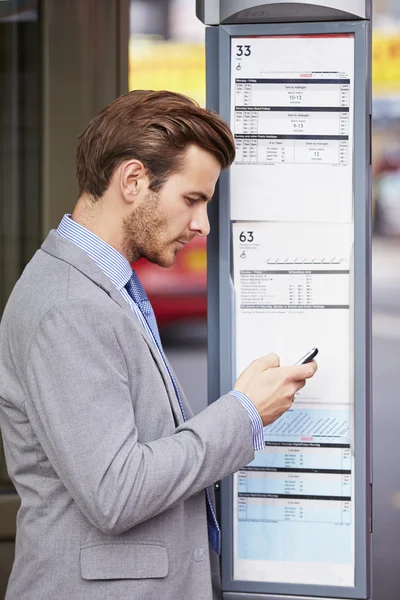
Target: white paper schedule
[293,128]
[293,505]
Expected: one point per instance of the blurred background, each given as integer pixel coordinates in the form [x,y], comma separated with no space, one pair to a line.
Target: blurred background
[61,61]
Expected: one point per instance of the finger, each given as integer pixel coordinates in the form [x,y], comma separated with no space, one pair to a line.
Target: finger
[299,372]
[314,366]
[305,371]
[295,387]
[300,384]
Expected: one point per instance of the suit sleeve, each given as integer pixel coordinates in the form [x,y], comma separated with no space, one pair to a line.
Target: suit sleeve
[80,406]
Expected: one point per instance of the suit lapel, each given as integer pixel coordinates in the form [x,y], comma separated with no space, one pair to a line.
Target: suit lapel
[120,300]
[65,250]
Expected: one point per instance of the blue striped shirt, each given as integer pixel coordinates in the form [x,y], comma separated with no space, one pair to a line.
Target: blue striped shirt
[119,271]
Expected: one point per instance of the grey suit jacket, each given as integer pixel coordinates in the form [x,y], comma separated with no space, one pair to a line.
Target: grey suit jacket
[111,480]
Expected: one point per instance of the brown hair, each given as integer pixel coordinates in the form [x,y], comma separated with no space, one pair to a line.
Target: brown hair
[153,127]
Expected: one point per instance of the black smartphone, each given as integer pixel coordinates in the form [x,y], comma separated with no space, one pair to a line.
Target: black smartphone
[308,357]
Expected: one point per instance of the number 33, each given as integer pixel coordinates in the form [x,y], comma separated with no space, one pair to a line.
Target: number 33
[240,52]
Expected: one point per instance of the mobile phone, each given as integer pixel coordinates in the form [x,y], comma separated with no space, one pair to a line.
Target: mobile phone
[308,357]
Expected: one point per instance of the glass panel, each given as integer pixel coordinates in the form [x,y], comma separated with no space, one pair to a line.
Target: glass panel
[292,112]
[19,134]
[19,149]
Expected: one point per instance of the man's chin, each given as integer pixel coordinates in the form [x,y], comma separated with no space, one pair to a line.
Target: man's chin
[165,260]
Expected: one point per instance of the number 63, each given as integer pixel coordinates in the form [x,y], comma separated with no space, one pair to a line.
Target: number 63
[246,238]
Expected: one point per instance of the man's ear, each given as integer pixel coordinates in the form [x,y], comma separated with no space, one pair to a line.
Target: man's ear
[133,180]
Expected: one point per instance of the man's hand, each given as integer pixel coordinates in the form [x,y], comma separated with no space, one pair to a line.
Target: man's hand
[270,387]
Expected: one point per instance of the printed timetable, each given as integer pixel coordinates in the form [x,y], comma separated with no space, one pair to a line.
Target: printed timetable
[293,127]
[292,116]
[294,503]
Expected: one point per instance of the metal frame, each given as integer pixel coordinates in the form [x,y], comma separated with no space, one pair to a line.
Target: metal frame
[218,12]
[221,309]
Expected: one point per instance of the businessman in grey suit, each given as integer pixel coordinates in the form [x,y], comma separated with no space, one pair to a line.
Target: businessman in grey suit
[112,468]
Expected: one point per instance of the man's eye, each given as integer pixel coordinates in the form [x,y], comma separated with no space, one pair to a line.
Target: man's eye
[191,201]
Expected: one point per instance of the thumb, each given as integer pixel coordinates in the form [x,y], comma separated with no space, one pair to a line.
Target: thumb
[269,361]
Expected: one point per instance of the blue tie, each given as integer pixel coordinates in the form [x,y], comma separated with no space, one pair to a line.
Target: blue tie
[139,296]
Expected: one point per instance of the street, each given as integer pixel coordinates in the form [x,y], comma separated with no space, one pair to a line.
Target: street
[190,363]
[386,413]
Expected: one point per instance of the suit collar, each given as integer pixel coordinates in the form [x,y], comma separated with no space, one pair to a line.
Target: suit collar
[65,250]
[110,261]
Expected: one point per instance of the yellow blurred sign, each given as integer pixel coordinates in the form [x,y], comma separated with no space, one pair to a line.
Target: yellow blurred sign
[385,63]
[163,65]
[196,260]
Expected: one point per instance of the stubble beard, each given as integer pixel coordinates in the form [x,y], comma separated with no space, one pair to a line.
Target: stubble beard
[146,234]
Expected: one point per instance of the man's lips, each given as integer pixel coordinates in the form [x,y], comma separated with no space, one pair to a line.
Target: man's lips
[184,242]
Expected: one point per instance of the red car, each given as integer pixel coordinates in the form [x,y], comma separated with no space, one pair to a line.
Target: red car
[180,292]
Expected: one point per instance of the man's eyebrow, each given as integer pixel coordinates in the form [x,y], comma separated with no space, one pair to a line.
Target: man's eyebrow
[200,195]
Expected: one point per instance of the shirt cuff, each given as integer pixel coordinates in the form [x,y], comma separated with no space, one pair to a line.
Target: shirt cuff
[256,423]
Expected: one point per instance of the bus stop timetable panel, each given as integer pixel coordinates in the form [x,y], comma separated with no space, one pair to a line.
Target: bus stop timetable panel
[291,204]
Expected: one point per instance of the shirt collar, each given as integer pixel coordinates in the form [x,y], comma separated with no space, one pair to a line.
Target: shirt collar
[110,261]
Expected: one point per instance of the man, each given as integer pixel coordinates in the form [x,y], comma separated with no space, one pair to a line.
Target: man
[101,445]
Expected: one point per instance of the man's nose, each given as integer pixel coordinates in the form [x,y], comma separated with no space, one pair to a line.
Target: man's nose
[200,223]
